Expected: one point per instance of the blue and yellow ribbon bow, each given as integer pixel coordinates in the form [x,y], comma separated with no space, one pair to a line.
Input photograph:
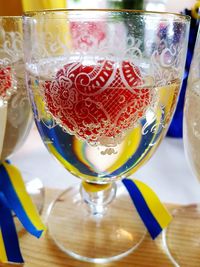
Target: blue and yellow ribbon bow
[13,196]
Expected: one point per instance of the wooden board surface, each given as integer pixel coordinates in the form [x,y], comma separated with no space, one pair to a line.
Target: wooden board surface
[44,253]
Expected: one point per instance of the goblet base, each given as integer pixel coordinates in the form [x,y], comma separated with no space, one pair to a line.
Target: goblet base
[182,237]
[94,238]
[36,191]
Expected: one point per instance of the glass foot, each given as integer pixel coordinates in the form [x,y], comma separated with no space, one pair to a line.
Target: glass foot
[182,237]
[95,238]
[35,189]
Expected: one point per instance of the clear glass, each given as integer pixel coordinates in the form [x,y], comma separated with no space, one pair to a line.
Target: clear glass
[103,86]
[187,220]
[15,110]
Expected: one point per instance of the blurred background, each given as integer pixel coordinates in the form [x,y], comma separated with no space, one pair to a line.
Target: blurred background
[16,7]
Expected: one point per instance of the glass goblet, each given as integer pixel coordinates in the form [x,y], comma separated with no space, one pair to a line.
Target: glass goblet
[15,110]
[182,236]
[103,86]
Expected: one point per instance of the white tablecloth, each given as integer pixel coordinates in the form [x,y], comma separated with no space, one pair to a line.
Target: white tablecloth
[167,172]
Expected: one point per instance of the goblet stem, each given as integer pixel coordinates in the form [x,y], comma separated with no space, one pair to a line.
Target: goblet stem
[97,197]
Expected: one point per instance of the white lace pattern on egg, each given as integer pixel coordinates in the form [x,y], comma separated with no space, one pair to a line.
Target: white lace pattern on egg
[99,104]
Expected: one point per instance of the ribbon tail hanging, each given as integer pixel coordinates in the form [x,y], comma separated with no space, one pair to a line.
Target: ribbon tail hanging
[19,201]
[152,212]
[9,245]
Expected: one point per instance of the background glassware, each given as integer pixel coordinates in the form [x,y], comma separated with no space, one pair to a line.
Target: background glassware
[183,234]
[125,4]
[15,111]
[102,97]
[155,5]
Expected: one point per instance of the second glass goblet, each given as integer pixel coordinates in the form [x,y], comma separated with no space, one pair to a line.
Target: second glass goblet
[15,111]
[103,86]
[182,238]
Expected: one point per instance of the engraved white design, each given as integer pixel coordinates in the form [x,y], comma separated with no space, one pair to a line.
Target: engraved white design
[19,106]
[193,89]
[79,94]
[11,52]
[13,91]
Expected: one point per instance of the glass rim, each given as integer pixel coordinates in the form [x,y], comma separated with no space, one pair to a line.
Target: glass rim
[131,11]
[10,17]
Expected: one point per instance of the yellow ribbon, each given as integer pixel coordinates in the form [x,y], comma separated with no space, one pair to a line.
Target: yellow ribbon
[3,255]
[195,10]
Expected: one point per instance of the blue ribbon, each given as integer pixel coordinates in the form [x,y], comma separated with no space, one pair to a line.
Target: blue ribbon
[10,243]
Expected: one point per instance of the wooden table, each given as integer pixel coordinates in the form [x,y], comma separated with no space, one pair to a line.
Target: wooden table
[44,253]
